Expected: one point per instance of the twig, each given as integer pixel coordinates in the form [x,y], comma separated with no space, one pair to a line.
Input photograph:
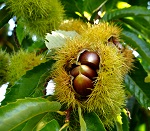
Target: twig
[15,37]
[68,112]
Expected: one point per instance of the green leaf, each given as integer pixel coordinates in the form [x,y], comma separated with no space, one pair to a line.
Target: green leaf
[142,21]
[71,7]
[91,5]
[136,85]
[110,5]
[126,12]
[5,16]
[32,123]
[142,47]
[26,86]
[41,85]
[125,121]
[20,33]
[138,75]
[142,29]
[37,45]
[46,118]
[137,90]
[93,122]
[53,125]
[14,114]
[20,127]
[82,122]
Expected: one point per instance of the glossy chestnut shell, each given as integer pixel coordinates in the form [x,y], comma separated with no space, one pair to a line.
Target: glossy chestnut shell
[83,85]
[85,70]
[85,73]
[90,58]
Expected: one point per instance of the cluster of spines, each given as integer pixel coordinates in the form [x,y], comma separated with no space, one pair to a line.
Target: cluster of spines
[4,62]
[37,16]
[20,62]
[74,25]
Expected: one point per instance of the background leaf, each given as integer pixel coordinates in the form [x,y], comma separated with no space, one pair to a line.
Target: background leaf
[4,18]
[93,122]
[135,84]
[91,5]
[26,86]
[125,121]
[143,30]
[126,12]
[73,6]
[142,47]
[137,91]
[20,33]
[14,114]
[53,125]
[40,88]
[37,46]
[32,123]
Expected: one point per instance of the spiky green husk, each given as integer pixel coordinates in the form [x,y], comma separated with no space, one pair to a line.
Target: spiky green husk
[38,16]
[4,62]
[108,96]
[73,25]
[21,62]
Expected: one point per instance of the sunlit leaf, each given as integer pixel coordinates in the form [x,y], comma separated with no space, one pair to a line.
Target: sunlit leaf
[118,123]
[81,119]
[147,78]
[58,38]
[16,113]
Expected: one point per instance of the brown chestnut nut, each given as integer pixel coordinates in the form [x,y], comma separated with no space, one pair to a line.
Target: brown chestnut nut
[83,85]
[90,58]
[85,70]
